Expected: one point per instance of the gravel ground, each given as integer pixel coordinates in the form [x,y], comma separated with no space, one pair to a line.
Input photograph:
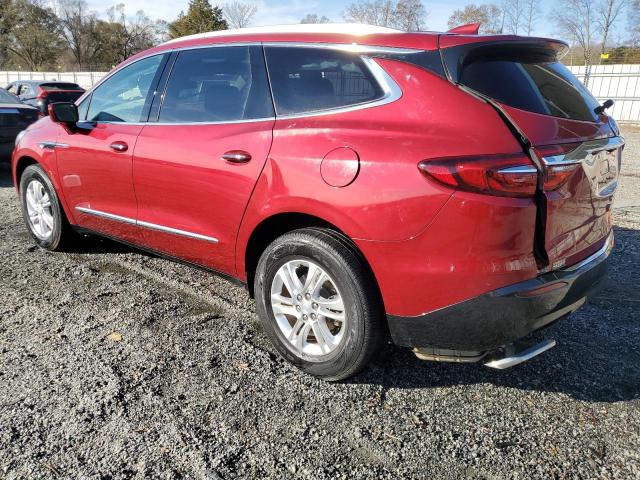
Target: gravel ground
[117,364]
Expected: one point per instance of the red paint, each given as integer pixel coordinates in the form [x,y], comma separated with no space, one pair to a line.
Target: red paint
[428,245]
[576,219]
[468,29]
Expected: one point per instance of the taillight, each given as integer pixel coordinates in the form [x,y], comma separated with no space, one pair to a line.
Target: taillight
[557,169]
[42,93]
[504,175]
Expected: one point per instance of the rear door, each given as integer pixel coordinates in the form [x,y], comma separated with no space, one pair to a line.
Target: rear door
[580,150]
[195,167]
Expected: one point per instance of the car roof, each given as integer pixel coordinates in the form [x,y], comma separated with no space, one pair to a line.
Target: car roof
[328,33]
[41,82]
[354,35]
[353,29]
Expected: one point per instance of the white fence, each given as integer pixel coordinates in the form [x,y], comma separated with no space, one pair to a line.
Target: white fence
[621,83]
[84,79]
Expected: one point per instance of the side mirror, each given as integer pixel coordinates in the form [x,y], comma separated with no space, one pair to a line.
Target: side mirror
[64,112]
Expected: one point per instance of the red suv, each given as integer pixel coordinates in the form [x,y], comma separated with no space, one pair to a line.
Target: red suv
[450,191]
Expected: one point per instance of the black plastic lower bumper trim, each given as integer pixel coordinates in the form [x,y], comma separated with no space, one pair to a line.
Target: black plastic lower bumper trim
[500,317]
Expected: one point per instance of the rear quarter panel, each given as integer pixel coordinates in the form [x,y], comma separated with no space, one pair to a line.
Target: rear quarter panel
[389,201]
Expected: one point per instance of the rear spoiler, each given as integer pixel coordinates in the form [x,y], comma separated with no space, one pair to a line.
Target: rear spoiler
[500,47]
[468,29]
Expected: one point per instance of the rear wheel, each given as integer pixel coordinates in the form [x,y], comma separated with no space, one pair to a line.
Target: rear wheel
[41,210]
[318,303]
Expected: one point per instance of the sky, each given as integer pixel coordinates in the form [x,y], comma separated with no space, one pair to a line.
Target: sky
[278,12]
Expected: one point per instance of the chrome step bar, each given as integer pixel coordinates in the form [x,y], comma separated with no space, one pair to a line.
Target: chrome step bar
[513,358]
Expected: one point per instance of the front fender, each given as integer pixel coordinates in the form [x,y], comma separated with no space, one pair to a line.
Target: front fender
[28,150]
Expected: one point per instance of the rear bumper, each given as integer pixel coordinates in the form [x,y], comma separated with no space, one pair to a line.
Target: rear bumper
[489,321]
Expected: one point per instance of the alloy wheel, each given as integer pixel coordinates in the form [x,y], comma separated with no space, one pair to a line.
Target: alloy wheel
[39,210]
[308,308]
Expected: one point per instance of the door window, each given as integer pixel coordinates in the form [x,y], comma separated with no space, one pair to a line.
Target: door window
[122,97]
[83,108]
[217,84]
[313,79]
[24,90]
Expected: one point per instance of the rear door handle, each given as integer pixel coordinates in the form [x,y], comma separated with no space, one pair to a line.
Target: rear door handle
[119,146]
[236,156]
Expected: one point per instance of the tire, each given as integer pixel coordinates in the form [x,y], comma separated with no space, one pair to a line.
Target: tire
[44,211]
[331,327]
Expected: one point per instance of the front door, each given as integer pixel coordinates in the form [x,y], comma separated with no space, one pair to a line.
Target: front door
[195,168]
[95,161]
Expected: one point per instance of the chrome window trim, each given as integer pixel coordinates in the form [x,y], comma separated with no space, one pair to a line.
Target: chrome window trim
[391,92]
[166,124]
[147,225]
[391,89]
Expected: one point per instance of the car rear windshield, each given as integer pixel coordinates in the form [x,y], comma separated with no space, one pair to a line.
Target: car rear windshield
[6,97]
[546,87]
[63,96]
[52,87]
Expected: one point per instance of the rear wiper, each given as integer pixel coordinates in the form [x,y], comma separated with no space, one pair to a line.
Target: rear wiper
[601,108]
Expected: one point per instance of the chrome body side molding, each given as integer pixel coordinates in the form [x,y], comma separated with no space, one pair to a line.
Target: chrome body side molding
[147,225]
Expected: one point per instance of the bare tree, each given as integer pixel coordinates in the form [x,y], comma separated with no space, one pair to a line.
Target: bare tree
[576,19]
[607,13]
[78,29]
[513,15]
[137,33]
[488,16]
[238,14]
[410,15]
[406,15]
[634,22]
[314,18]
[376,12]
[531,15]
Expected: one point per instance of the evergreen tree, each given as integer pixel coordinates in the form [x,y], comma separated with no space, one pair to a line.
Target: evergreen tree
[201,17]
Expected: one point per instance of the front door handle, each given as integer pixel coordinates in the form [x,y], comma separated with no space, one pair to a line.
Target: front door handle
[236,156]
[119,146]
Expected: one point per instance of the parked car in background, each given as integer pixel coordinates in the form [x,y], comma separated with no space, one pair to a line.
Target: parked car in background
[15,116]
[40,93]
[451,190]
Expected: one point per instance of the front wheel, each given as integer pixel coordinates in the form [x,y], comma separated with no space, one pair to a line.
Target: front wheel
[318,303]
[42,211]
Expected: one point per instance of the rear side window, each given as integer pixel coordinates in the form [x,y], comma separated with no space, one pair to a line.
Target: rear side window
[548,88]
[314,79]
[217,84]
